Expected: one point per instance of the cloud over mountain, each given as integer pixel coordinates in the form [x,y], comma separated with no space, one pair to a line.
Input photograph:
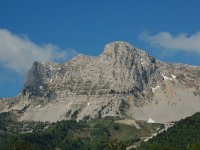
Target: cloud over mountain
[17,53]
[182,41]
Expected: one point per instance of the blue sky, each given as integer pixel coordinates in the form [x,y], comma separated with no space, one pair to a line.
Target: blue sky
[49,30]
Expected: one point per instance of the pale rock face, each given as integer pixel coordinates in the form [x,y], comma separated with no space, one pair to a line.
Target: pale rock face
[154,89]
[128,65]
[123,81]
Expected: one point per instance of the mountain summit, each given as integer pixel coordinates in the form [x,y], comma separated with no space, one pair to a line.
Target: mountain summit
[123,81]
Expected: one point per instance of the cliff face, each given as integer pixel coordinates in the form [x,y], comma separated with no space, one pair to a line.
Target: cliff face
[123,81]
[121,68]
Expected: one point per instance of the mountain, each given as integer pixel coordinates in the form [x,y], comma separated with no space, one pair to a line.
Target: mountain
[123,81]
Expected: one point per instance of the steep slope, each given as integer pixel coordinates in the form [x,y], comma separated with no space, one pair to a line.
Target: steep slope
[183,135]
[123,81]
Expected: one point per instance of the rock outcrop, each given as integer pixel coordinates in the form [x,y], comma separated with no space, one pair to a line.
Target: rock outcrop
[123,81]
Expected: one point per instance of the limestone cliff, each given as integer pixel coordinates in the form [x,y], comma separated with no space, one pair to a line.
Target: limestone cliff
[123,81]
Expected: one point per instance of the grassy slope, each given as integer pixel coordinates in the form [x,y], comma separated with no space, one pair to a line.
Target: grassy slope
[124,132]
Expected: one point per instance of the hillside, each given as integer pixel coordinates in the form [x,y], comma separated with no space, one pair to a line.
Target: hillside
[184,135]
[96,134]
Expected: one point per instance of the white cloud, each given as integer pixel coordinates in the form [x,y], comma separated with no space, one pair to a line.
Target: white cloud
[18,53]
[168,41]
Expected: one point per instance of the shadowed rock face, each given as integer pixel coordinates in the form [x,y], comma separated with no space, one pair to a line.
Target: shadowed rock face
[123,81]
[35,80]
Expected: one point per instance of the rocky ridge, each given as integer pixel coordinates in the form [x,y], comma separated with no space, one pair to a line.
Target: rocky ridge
[123,81]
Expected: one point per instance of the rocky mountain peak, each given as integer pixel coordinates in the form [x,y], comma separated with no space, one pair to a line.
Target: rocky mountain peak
[124,53]
[123,81]
[120,68]
[117,48]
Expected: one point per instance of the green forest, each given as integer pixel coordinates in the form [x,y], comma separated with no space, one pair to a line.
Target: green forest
[184,135]
[97,134]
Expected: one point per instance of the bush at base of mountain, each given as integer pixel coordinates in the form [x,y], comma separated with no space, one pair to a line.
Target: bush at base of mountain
[96,134]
